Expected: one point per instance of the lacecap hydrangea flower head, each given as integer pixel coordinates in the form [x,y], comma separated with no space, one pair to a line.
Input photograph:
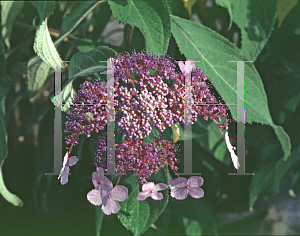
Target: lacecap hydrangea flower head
[148,94]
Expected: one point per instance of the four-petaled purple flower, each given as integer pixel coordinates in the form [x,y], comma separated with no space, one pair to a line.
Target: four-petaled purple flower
[151,190]
[110,203]
[105,194]
[181,187]
[64,172]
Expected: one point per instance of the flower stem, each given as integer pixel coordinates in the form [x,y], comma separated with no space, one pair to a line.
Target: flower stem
[129,37]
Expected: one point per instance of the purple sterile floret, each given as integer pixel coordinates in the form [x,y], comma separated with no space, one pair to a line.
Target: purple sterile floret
[151,190]
[181,187]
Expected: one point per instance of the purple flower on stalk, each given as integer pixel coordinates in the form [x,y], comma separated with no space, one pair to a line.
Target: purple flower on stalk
[181,187]
[151,190]
[64,172]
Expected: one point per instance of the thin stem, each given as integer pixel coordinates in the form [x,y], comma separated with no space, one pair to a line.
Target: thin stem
[78,22]
[118,180]
[129,37]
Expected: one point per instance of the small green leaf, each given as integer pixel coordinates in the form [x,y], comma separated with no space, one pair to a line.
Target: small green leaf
[151,17]
[138,216]
[215,53]
[44,47]
[9,11]
[45,9]
[37,73]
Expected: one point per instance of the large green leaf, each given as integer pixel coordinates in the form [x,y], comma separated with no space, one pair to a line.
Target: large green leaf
[45,9]
[256,19]
[138,216]
[151,17]
[4,87]
[9,11]
[214,52]
[44,47]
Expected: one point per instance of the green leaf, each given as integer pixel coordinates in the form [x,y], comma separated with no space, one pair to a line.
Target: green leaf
[227,4]
[267,179]
[88,44]
[75,17]
[9,11]
[256,20]
[138,216]
[44,47]
[10,197]
[151,17]
[45,9]
[90,61]
[198,43]
[37,73]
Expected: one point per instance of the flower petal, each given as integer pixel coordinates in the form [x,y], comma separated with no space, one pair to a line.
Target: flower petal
[119,193]
[234,157]
[148,187]
[100,171]
[95,179]
[156,195]
[64,173]
[160,186]
[196,192]
[105,181]
[66,158]
[195,181]
[64,179]
[111,207]
[94,197]
[179,193]
[142,196]
[72,160]
[179,182]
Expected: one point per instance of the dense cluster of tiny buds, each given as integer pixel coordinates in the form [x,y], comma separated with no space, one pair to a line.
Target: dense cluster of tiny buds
[142,100]
[149,98]
[88,113]
[138,157]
